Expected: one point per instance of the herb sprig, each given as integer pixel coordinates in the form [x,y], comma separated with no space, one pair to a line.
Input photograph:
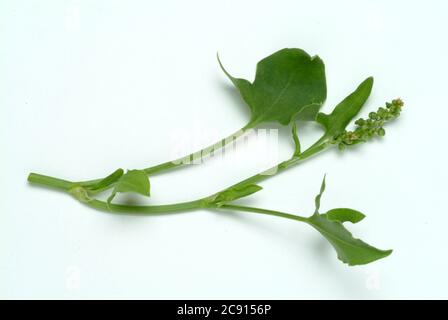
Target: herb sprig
[289,85]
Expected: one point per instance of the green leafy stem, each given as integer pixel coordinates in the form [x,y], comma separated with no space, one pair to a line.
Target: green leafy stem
[289,86]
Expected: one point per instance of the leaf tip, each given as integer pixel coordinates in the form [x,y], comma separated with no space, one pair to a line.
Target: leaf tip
[223,69]
[381,254]
[220,62]
[369,81]
[345,215]
[315,57]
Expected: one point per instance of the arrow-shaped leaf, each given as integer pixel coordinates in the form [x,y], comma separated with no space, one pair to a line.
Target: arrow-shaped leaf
[349,249]
[289,84]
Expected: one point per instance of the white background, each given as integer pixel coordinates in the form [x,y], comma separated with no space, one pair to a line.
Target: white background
[90,86]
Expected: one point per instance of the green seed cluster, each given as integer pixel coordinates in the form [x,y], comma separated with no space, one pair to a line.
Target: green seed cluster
[371,127]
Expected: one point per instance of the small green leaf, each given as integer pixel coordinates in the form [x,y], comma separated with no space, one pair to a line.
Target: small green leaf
[349,249]
[135,181]
[109,180]
[289,84]
[336,122]
[344,215]
[296,140]
[317,200]
[234,193]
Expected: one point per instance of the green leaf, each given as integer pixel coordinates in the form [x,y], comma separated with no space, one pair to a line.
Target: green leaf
[288,85]
[234,193]
[349,249]
[344,215]
[317,200]
[336,122]
[135,181]
[109,180]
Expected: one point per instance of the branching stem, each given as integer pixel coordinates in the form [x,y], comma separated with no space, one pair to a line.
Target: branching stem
[68,186]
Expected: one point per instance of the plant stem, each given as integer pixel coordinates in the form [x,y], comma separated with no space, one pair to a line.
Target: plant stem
[183,206]
[316,148]
[65,185]
[50,181]
[145,210]
[264,211]
[192,157]
[203,202]
[185,160]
